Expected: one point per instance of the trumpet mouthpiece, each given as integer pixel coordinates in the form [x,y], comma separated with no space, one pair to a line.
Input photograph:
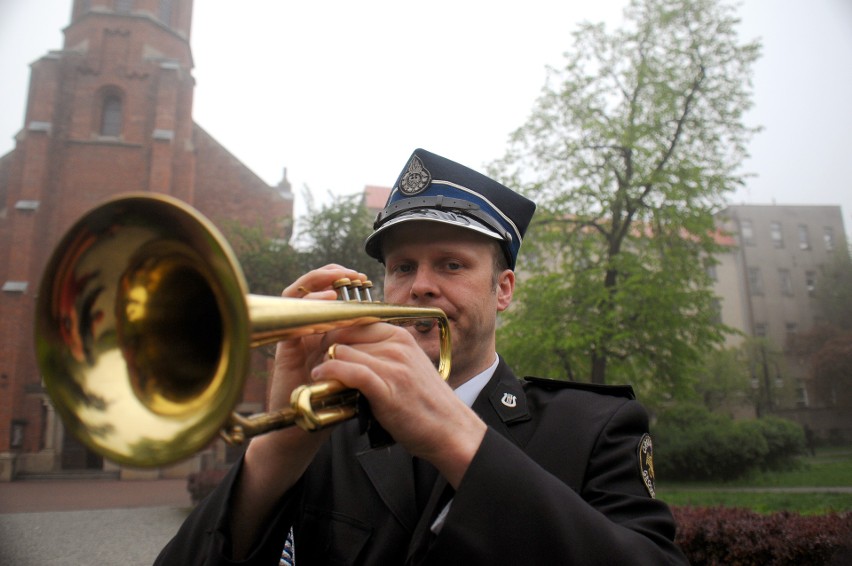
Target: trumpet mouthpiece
[425,325]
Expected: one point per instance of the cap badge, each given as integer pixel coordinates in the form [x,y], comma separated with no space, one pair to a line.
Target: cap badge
[415,179]
[646,464]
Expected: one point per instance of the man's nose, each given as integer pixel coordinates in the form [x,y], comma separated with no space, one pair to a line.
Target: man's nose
[424,284]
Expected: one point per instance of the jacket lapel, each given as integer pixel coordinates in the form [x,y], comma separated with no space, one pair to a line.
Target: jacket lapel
[502,406]
[391,473]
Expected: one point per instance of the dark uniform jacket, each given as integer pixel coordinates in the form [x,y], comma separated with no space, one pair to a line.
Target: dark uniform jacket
[558,479]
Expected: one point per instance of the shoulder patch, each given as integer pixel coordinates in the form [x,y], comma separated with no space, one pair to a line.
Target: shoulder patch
[646,464]
[625,391]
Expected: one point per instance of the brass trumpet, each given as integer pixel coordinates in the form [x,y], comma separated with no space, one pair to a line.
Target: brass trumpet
[144,327]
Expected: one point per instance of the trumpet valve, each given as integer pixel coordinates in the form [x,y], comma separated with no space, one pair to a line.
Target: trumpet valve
[353,290]
[342,287]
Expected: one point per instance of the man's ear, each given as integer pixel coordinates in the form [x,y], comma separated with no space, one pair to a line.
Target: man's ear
[505,289]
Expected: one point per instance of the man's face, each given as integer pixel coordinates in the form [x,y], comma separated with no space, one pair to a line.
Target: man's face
[436,265]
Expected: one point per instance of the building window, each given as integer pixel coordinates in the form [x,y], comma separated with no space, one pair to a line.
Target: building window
[111,116]
[810,282]
[776,235]
[747,232]
[804,237]
[166,12]
[828,237]
[16,434]
[716,307]
[755,282]
[801,394]
[791,329]
[760,329]
[123,6]
[786,282]
[710,269]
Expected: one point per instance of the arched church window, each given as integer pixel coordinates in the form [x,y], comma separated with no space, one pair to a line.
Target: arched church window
[123,6]
[111,116]
[166,11]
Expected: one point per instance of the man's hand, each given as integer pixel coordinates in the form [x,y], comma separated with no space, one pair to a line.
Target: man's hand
[406,394]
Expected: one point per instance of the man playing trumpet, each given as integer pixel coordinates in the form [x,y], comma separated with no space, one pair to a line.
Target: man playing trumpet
[484,468]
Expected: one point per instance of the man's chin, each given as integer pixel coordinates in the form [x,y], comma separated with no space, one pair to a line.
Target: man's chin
[430,343]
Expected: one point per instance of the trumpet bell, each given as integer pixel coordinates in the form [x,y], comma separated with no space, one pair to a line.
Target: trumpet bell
[142,330]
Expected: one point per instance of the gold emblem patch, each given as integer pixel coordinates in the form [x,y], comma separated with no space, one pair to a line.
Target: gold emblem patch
[646,464]
[415,179]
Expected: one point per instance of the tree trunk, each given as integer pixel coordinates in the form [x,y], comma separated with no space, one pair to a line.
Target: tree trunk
[598,369]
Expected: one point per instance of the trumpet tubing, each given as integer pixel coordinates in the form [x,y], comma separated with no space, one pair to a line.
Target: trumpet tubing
[144,327]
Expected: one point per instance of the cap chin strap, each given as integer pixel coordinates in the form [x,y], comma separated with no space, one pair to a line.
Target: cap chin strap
[442,203]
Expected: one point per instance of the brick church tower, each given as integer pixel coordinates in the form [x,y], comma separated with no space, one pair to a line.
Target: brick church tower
[109,113]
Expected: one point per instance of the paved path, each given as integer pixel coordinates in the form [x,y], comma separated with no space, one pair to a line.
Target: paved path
[88,522]
[838,489]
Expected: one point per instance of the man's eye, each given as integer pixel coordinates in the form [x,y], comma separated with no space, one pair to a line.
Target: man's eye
[453,266]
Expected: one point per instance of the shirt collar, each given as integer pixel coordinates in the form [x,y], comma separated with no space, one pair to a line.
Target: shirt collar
[470,389]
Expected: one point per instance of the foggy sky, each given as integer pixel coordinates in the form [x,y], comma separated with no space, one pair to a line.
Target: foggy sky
[340,93]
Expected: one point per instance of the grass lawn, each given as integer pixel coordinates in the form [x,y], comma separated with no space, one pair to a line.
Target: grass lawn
[761,502]
[831,467]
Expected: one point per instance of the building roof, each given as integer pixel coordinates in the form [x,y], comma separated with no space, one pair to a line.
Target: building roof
[375,197]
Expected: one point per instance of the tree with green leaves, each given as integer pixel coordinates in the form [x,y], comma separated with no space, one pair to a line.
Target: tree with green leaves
[828,344]
[336,232]
[723,381]
[833,291]
[630,149]
[771,388]
[330,233]
[268,265]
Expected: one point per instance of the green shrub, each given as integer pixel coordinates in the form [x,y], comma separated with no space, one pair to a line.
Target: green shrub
[785,439]
[693,444]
